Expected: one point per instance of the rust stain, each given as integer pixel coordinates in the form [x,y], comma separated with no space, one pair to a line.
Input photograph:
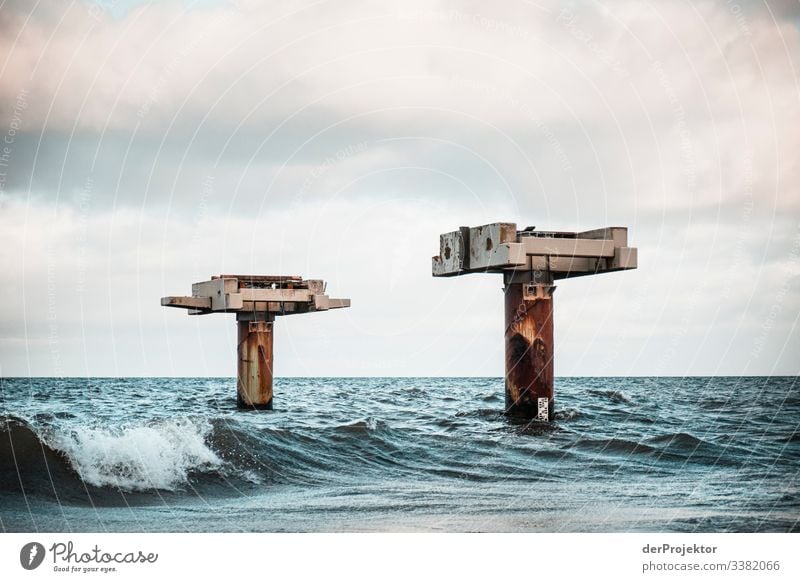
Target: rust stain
[254,384]
[529,351]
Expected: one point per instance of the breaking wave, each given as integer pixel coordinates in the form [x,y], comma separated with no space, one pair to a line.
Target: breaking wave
[159,455]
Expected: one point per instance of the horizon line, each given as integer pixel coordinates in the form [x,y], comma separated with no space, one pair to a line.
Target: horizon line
[414,376]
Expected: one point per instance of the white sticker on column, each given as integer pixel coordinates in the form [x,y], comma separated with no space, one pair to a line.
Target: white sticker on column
[544,409]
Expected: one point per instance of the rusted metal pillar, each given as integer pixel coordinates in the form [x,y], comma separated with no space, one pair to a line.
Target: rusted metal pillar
[254,379]
[529,350]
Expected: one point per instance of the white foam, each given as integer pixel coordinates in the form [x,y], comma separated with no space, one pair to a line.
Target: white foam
[138,458]
[567,414]
[620,396]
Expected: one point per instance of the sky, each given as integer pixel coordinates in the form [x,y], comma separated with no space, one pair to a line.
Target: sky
[150,145]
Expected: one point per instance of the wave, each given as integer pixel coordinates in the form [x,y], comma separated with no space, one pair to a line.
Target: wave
[614,445]
[717,403]
[680,440]
[693,449]
[366,426]
[26,460]
[482,413]
[184,454]
[618,396]
[567,414]
[161,455]
[673,447]
[794,437]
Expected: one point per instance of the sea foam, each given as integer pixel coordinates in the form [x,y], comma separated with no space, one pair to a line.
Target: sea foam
[159,455]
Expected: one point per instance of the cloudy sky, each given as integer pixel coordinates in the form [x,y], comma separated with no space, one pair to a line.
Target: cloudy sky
[149,145]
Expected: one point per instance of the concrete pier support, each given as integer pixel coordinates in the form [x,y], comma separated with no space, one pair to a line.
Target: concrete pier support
[256,300]
[529,350]
[254,377]
[530,260]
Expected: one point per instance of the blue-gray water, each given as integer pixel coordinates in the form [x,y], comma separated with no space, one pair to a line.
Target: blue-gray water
[398,454]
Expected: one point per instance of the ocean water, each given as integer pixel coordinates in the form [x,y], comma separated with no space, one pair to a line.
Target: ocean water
[399,454]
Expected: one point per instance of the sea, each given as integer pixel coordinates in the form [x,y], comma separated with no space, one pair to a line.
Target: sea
[666,454]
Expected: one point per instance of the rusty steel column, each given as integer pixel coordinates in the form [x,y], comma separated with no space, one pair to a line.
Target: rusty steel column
[529,350]
[254,380]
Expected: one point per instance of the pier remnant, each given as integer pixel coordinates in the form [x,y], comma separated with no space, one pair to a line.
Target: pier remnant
[530,261]
[256,300]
